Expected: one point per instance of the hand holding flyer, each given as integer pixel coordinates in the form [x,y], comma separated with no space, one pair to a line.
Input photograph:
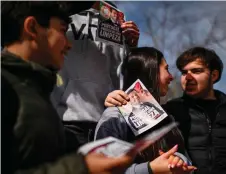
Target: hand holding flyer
[142,112]
[113,147]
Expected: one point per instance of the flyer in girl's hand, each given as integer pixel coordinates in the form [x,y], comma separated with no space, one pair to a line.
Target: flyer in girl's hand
[142,112]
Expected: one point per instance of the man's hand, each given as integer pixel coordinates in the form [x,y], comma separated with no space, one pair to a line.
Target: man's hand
[131,33]
[100,164]
[116,98]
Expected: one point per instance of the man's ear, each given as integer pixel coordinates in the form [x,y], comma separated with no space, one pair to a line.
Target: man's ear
[31,27]
[214,75]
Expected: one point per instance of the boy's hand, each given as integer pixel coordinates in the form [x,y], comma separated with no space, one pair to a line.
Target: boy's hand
[131,33]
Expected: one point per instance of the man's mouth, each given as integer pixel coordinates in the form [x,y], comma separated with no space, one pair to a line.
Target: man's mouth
[190,83]
[190,86]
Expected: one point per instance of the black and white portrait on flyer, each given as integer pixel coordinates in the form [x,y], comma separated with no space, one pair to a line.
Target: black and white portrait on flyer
[142,112]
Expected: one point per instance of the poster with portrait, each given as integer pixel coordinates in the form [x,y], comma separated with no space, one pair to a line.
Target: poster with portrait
[142,112]
[109,24]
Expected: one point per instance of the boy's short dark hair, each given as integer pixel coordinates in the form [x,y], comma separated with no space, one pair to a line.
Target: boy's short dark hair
[13,14]
[207,56]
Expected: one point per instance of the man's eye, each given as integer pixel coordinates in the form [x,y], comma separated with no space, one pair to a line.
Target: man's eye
[197,71]
[183,72]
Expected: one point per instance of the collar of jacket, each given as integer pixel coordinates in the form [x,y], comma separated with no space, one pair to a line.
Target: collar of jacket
[219,96]
[45,77]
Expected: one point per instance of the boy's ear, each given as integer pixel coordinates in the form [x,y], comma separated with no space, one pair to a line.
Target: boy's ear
[31,27]
[214,75]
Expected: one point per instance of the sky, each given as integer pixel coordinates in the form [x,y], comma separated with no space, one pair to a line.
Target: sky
[180,25]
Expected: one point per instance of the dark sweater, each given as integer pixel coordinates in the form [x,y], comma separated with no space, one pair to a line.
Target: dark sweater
[33,137]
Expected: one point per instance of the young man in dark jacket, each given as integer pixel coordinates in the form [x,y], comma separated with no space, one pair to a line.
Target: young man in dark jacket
[201,111]
[33,137]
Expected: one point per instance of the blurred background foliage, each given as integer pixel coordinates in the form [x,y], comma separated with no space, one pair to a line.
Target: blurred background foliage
[173,27]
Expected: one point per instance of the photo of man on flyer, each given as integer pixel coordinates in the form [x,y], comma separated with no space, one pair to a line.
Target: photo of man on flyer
[114,15]
[142,112]
[109,24]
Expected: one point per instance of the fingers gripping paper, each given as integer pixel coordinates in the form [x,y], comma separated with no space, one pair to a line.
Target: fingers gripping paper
[142,112]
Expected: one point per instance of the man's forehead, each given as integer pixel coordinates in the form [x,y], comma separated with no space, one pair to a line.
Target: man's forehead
[198,63]
[57,22]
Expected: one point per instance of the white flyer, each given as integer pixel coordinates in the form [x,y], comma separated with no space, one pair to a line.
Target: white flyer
[142,112]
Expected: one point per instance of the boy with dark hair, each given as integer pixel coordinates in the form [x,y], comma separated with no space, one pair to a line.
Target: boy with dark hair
[206,56]
[201,111]
[33,137]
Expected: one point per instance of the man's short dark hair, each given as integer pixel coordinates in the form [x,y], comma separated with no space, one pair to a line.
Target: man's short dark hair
[207,56]
[112,9]
[13,14]
[111,3]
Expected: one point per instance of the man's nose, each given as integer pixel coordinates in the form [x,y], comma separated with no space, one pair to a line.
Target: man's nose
[189,76]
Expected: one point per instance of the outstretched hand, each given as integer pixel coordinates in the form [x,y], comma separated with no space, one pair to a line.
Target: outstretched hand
[163,165]
[174,164]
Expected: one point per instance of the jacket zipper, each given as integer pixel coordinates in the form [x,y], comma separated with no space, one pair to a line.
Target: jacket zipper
[209,138]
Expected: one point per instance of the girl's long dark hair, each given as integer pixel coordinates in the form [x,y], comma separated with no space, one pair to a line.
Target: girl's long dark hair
[143,63]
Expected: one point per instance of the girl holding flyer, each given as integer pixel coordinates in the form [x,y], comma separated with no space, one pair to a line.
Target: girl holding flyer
[145,79]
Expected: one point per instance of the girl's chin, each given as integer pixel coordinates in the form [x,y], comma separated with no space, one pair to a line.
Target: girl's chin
[163,93]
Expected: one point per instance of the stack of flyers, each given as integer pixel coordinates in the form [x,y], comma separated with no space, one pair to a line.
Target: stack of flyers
[109,24]
[113,147]
[142,112]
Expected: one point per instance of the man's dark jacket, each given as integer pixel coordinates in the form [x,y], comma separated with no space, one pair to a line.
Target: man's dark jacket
[205,140]
[33,138]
